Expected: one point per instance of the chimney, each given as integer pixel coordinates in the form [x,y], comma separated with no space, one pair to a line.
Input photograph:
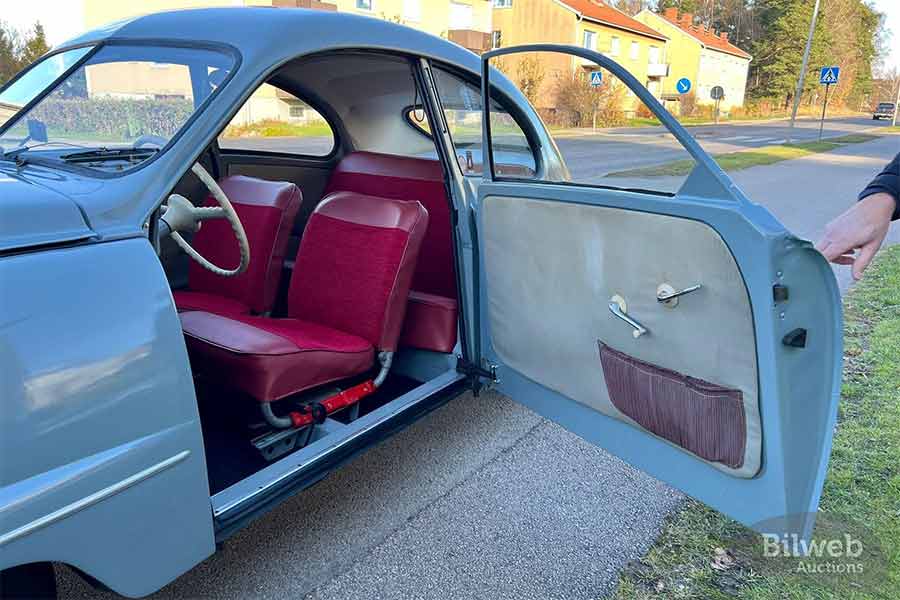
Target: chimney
[687,19]
[671,14]
[724,36]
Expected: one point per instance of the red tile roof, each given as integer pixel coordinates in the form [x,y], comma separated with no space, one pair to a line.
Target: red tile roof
[595,10]
[704,36]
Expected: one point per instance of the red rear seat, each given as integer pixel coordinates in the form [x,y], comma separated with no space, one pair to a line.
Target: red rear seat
[431,314]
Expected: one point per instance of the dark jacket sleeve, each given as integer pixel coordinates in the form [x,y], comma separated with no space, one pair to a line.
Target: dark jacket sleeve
[888,181]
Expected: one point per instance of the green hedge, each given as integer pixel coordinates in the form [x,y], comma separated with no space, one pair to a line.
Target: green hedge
[111,118]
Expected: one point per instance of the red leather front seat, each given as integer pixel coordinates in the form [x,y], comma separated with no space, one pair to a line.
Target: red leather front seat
[267,210]
[346,300]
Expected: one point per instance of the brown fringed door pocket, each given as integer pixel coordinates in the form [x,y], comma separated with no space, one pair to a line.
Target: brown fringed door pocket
[701,417]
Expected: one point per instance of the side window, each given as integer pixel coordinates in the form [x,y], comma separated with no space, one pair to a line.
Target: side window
[605,134]
[461,100]
[273,120]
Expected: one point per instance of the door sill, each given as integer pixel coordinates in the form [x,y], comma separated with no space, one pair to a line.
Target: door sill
[242,502]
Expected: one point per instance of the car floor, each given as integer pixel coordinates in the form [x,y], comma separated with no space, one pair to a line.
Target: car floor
[230,420]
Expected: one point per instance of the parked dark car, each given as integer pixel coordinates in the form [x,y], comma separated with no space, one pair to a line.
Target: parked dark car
[884,110]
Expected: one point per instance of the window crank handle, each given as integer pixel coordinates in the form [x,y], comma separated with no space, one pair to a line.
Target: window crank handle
[617,311]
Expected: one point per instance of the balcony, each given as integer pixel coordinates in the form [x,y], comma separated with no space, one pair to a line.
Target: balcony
[476,41]
[657,70]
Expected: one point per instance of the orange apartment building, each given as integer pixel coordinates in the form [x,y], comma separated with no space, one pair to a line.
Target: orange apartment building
[589,23]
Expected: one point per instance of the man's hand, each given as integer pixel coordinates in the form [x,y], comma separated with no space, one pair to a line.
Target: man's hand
[862,227]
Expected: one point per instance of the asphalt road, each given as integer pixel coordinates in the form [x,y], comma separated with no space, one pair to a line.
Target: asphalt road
[484,499]
[590,156]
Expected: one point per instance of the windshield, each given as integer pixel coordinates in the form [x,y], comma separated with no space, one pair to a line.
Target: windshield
[114,111]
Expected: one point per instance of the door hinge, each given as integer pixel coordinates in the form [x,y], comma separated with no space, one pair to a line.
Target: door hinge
[476,373]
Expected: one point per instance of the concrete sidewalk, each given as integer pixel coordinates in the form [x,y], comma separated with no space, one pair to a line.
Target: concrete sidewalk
[806,193]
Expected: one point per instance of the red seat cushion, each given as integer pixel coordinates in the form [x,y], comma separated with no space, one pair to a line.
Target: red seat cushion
[273,358]
[188,300]
[405,178]
[267,210]
[430,322]
[347,298]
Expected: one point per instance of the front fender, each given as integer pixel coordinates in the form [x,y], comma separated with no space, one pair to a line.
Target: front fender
[101,454]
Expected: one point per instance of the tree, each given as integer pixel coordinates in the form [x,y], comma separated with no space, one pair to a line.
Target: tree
[778,55]
[9,54]
[529,77]
[579,101]
[35,46]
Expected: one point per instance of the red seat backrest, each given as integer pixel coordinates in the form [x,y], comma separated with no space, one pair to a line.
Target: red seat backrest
[355,265]
[267,210]
[404,178]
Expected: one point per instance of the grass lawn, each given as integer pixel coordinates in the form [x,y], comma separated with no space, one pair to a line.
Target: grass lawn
[734,161]
[698,555]
[275,128]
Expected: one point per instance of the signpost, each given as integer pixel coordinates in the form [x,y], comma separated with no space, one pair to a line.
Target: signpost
[828,76]
[596,80]
[717,93]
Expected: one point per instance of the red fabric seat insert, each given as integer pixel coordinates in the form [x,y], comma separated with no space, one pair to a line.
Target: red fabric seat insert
[431,321]
[405,178]
[267,210]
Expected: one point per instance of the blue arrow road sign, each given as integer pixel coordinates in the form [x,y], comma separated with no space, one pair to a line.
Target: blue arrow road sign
[683,85]
[828,75]
[596,78]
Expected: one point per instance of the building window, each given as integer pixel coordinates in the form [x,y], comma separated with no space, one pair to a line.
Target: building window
[589,40]
[496,38]
[614,46]
[412,10]
[635,51]
[364,4]
[654,55]
[460,15]
[503,3]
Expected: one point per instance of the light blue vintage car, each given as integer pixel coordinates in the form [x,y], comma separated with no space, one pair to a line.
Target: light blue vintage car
[164,384]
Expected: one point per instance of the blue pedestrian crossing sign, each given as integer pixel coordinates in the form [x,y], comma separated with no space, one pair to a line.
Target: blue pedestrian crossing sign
[683,85]
[596,78]
[829,75]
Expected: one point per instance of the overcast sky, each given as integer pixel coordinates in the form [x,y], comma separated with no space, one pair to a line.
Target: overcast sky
[62,19]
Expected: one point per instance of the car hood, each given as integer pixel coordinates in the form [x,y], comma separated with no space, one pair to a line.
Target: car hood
[33,215]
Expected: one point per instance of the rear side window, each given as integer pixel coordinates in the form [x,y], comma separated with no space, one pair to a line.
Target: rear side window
[276,121]
[461,101]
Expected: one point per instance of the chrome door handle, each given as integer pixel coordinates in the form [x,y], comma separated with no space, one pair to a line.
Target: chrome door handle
[616,310]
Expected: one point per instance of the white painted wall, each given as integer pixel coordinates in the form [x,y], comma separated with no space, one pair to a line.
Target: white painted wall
[727,70]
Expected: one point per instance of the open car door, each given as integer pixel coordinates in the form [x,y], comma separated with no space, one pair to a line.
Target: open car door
[690,333]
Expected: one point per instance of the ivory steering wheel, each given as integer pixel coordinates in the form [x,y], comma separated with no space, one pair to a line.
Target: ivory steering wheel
[181,216]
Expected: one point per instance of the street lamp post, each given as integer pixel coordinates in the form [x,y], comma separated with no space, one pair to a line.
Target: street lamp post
[812,28]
